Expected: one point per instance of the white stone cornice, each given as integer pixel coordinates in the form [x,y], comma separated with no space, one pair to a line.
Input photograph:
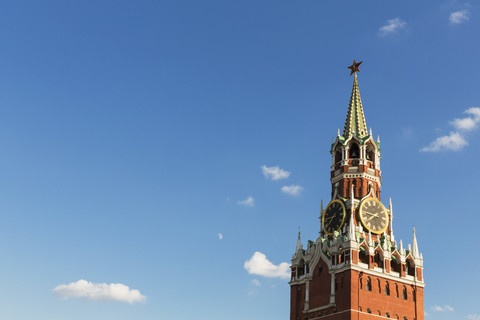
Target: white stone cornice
[365,175]
[381,274]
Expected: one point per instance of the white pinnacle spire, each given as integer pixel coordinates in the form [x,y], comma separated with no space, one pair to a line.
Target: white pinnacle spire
[370,238]
[415,252]
[400,249]
[299,243]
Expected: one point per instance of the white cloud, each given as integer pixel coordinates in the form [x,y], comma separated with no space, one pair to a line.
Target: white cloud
[293,190]
[473,317]
[442,308]
[256,283]
[220,236]
[259,264]
[392,26]
[464,123]
[249,202]
[475,112]
[458,17]
[275,173]
[468,123]
[98,292]
[454,141]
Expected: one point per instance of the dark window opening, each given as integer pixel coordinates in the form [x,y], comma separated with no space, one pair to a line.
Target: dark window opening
[369,284]
[363,256]
[410,268]
[395,264]
[354,151]
[378,260]
[387,289]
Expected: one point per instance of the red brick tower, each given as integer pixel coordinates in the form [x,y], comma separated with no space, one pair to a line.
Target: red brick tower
[356,269]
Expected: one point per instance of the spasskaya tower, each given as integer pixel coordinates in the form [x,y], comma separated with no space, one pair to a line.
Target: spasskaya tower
[356,269]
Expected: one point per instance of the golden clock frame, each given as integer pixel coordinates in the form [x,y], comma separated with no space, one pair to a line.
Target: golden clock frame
[361,218]
[343,220]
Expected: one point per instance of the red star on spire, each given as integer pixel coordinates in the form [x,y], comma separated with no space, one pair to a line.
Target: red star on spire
[354,67]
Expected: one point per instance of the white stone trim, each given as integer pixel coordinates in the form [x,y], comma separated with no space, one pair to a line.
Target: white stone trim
[365,175]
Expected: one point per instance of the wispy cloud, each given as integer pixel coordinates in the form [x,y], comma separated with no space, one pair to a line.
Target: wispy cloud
[456,140]
[256,282]
[249,202]
[259,264]
[473,317]
[98,292]
[275,173]
[442,308]
[220,236]
[458,17]
[392,26]
[293,190]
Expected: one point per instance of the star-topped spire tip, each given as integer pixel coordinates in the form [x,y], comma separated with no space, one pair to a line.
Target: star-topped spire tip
[355,67]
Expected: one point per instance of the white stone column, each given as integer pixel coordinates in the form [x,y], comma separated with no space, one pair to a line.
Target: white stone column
[332,289]
[307,296]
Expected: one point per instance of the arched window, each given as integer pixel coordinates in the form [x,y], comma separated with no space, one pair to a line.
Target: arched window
[354,151]
[369,284]
[363,256]
[370,153]
[387,315]
[379,286]
[361,283]
[396,290]
[410,267]
[395,264]
[404,294]
[301,268]
[378,260]
[369,311]
[338,154]
[387,289]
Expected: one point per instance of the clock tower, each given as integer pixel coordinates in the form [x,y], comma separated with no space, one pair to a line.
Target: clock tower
[356,269]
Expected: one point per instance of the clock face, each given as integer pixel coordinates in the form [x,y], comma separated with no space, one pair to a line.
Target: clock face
[333,217]
[374,216]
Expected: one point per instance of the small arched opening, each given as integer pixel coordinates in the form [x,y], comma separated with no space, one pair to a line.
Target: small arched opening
[395,264]
[301,268]
[370,155]
[338,156]
[410,267]
[369,284]
[378,259]
[363,255]
[354,151]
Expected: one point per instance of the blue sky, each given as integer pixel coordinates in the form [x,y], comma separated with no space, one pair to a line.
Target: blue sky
[134,138]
